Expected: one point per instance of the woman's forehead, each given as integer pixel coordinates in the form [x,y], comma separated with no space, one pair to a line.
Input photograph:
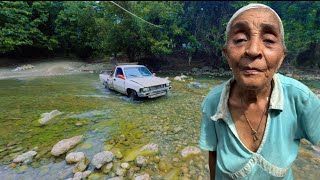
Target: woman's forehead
[261,17]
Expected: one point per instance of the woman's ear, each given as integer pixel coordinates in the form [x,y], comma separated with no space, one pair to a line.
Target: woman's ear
[224,52]
[281,60]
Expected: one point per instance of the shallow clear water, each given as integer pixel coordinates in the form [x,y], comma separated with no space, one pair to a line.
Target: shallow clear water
[106,119]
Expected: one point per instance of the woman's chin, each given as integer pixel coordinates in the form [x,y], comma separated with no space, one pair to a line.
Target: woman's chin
[252,83]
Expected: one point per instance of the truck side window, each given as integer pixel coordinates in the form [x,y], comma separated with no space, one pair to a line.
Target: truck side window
[119,71]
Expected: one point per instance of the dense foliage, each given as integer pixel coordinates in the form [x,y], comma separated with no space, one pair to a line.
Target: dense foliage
[192,28]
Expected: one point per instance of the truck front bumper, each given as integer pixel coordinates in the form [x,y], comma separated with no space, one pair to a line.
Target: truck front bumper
[155,93]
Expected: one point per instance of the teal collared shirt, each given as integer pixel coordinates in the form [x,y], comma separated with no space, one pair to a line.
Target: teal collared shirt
[294,113]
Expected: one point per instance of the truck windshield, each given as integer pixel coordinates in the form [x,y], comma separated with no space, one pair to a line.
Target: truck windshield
[133,72]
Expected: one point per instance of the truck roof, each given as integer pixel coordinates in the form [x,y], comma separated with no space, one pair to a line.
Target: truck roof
[124,66]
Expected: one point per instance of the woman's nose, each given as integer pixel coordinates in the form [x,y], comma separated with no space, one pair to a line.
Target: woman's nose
[253,49]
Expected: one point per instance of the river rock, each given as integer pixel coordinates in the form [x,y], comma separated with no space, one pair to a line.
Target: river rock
[177,129]
[81,165]
[141,160]
[107,168]
[190,150]
[316,148]
[86,174]
[65,145]
[164,165]
[148,149]
[25,156]
[78,176]
[74,157]
[120,171]
[197,85]
[143,176]
[125,165]
[48,116]
[116,152]
[102,158]
[173,174]
[116,178]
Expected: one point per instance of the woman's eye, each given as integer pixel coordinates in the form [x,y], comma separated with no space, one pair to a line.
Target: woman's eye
[270,41]
[240,40]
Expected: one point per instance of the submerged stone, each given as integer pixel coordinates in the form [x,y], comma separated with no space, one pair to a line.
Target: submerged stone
[25,156]
[125,165]
[108,147]
[190,150]
[141,161]
[107,168]
[74,157]
[120,171]
[65,145]
[117,153]
[173,174]
[22,169]
[149,149]
[164,165]
[197,85]
[77,176]
[86,174]
[102,158]
[116,178]
[143,176]
[81,165]
[45,117]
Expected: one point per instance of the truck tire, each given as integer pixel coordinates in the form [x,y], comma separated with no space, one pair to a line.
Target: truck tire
[133,95]
[106,85]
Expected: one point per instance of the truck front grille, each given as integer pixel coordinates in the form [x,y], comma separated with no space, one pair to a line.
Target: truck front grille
[157,87]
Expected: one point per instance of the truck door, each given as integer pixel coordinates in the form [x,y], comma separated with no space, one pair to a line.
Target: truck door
[118,83]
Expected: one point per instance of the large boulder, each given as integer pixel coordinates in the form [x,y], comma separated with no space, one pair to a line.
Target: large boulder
[45,117]
[146,150]
[102,158]
[190,150]
[25,156]
[65,145]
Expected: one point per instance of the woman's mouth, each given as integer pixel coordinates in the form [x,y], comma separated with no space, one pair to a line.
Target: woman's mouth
[250,71]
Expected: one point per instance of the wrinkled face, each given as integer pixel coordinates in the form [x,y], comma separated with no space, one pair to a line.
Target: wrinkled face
[254,50]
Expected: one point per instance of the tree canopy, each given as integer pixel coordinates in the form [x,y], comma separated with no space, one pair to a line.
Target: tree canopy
[102,28]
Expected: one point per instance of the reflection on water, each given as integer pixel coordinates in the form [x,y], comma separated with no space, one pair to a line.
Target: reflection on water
[108,119]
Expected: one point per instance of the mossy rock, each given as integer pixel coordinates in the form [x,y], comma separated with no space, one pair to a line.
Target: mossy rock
[21,169]
[142,150]
[173,174]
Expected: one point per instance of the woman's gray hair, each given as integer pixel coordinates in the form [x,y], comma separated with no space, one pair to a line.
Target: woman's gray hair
[253,6]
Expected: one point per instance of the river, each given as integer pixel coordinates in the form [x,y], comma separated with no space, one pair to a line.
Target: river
[109,120]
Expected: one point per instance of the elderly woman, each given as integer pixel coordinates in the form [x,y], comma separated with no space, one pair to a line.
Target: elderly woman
[252,124]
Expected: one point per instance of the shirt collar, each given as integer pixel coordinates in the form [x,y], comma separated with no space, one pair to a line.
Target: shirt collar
[276,100]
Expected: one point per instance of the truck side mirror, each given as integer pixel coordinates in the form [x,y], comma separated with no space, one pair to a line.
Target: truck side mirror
[121,76]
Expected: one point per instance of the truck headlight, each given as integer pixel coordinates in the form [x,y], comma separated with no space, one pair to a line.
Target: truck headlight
[145,89]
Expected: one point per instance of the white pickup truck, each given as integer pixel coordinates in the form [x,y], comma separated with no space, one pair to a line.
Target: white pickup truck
[135,81]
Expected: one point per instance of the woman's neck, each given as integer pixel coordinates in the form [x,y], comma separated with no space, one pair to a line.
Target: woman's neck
[250,96]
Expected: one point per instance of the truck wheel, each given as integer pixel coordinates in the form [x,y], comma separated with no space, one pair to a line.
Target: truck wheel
[133,95]
[106,86]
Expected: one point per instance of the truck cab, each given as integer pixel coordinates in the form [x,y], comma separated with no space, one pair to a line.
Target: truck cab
[135,81]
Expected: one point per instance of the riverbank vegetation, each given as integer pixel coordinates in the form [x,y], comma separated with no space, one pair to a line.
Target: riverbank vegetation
[145,31]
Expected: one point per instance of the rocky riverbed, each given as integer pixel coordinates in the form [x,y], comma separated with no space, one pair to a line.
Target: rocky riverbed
[115,138]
